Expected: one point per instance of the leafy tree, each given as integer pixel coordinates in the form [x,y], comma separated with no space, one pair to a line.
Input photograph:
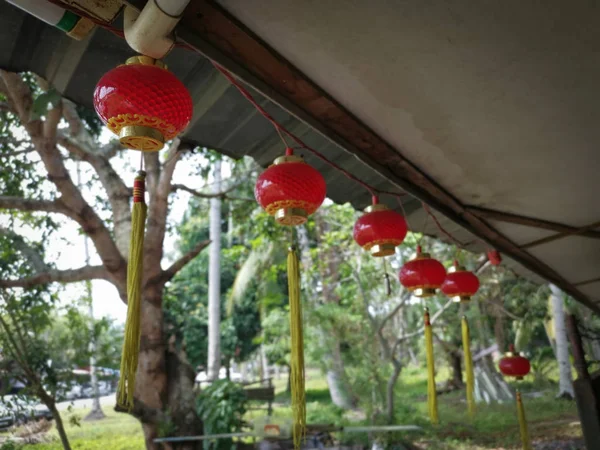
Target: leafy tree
[187,299]
[40,140]
[26,357]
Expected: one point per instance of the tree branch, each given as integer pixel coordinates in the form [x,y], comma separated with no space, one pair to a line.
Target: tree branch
[20,96]
[393,312]
[195,193]
[27,250]
[51,123]
[433,319]
[25,204]
[118,193]
[159,183]
[181,262]
[59,276]
[20,101]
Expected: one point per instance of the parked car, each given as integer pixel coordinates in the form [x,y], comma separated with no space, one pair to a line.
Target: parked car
[21,409]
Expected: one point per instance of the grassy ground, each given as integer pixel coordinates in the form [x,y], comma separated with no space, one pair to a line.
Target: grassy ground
[116,432]
[494,426]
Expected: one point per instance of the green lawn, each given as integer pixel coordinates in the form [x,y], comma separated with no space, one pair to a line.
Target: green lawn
[494,426]
[117,431]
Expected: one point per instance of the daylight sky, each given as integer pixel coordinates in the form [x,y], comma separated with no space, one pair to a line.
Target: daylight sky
[66,249]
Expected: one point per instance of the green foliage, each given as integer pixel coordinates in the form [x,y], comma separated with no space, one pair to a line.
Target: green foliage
[222,406]
[11,445]
[44,102]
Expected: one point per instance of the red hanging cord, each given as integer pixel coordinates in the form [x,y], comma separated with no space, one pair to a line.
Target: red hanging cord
[281,130]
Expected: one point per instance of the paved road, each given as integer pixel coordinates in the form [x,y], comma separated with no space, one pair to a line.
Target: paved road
[108,400]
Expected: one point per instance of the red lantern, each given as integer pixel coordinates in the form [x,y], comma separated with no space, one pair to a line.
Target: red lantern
[514,365]
[143,103]
[460,284]
[380,230]
[494,257]
[290,190]
[422,275]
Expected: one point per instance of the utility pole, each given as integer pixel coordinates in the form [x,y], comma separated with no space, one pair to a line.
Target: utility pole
[214,279]
[96,413]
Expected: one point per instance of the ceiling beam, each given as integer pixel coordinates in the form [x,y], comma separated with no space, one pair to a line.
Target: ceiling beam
[64,61]
[491,214]
[590,281]
[554,237]
[206,94]
[220,37]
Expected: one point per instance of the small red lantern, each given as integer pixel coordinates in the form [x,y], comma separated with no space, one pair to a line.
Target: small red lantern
[460,284]
[422,275]
[380,230]
[494,257]
[143,103]
[514,365]
[290,190]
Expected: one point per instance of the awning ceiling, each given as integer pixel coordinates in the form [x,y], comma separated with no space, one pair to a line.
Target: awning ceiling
[485,110]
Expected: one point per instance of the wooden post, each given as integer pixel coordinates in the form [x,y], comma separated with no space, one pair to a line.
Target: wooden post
[576,346]
[587,388]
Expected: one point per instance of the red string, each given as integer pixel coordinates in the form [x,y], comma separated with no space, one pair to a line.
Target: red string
[278,127]
[440,227]
[281,128]
[373,191]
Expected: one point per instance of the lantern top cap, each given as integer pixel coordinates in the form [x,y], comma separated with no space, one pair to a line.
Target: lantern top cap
[456,268]
[511,351]
[146,61]
[376,207]
[288,159]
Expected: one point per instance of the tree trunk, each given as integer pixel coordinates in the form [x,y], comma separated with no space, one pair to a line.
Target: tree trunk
[336,378]
[151,377]
[244,370]
[60,427]
[330,275]
[165,396]
[454,358]
[390,391]
[214,280]
[264,364]
[499,332]
[565,385]
[182,398]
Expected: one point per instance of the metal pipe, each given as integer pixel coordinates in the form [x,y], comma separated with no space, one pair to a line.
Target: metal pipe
[149,32]
[48,12]
[75,26]
[364,429]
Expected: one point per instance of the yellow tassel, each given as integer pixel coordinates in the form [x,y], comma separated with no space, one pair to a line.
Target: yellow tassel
[297,350]
[523,423]
[131,342]
[470,378]
[431,393]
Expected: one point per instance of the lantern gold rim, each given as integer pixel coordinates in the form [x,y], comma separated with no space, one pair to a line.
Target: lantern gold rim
[142,138]
[288,159]
[146,61]
[377,207]
[422,256]
[291,216]
[380,250]
[461,298]
[424,292]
